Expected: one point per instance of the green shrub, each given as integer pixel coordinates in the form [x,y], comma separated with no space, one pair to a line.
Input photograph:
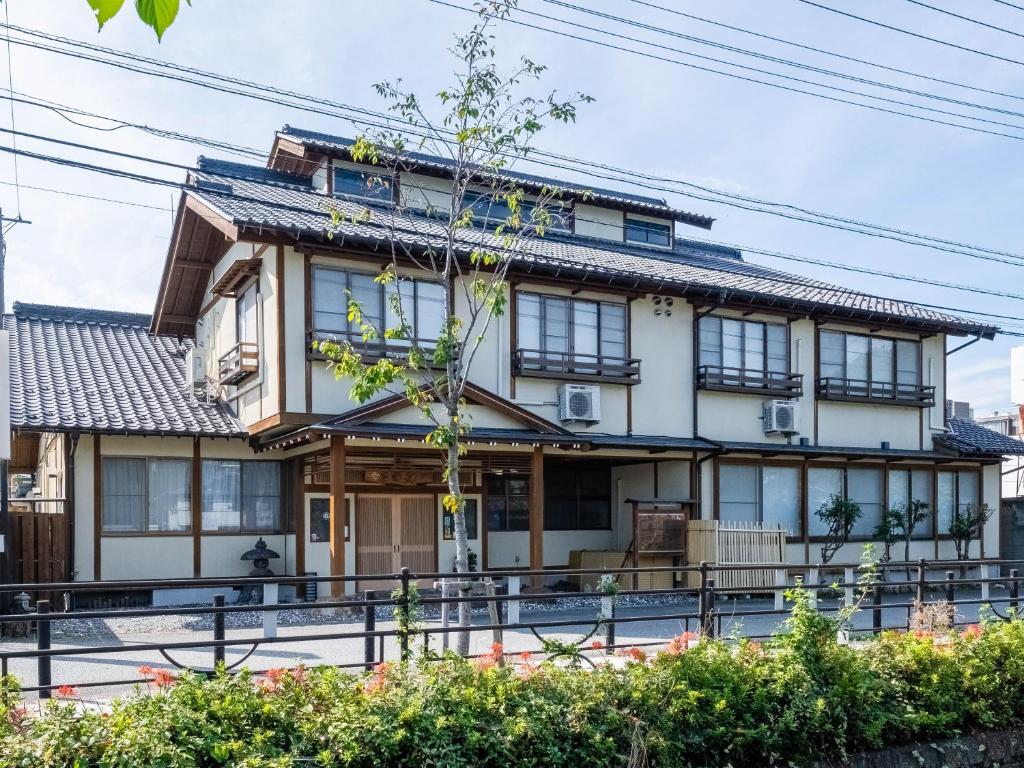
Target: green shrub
[800,698]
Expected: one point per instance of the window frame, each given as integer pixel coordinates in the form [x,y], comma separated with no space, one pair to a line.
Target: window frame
[579,497]
[145,531]
[978,496]
[722,378]
[387,187]
[507,497]
[910,469]
[845,468]
[562,221]
[647,227]
[798,534]
[242,530]
[871,389]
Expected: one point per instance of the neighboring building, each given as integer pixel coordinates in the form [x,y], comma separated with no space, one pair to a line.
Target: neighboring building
[957,409]
[745,394]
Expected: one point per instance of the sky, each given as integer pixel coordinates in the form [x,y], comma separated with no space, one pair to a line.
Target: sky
[649,115]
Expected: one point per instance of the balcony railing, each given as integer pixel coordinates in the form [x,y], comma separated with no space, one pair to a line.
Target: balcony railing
[574,366]
[859,391]
[377,349]
[718,378]
[238,363]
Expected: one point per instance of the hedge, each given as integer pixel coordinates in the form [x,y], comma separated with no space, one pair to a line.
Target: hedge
[800,698]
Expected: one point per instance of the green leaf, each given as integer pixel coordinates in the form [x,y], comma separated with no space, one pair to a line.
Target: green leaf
[159,14]
[105,10]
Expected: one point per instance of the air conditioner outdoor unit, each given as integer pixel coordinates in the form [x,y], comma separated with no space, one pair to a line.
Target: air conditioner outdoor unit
[781,417]
[579,402]
[195,371]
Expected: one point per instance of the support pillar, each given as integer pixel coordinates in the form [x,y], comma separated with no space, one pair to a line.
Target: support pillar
[337,513]
[537,514]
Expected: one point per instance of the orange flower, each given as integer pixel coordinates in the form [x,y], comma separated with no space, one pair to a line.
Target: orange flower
[164,679]
[680,643]
[597,645]
[973,630]
[497,650]
[66,692]
[146,671]
[525,656]
[379,679]
[275,675]
[922,634]
[637,654]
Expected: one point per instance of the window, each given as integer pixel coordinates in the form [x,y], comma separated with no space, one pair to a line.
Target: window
[860,484]
[245,315]
[877,364]
[577,498]
[744,345]
[241,496]
[648,232]
[491,211]
[768,495]
[957,489]
[320,519]
[472,514]
[422,304]
[366,184]
[508,503]
[906,485]
[147,495]
[562,325]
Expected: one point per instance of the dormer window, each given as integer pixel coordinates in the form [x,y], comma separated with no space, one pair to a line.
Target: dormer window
[350,182]
[648,232]
[492,211]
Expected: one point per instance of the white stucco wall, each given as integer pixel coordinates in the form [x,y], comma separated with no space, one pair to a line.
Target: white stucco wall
[596,221]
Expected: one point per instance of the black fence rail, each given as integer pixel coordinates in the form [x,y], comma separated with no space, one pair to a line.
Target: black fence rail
[885,598]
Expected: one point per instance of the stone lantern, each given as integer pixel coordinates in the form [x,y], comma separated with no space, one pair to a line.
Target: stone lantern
[260,555]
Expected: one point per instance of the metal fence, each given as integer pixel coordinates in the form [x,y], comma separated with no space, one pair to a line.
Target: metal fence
[885,600]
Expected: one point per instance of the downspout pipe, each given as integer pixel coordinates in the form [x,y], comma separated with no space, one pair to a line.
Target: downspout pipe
[69,505]
[717,449]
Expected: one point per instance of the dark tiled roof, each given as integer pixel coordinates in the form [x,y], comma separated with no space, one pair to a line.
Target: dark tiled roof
[692,268]
[971,439]
[92,370]
[654,206]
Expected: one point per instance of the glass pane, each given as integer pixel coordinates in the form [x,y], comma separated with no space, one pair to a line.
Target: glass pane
[496,518]
[319,520]
[124,495]
[613,330]
[710,340]
[778,348]
[170,495]
[349,181]
[648,232]
[245,315]
[907,357]
[833,355]
[584,318]
[753,347]
[367,294]
[519,513]
[528,321]
[882,370]
[946,482]
[738,493]
[780,498]
[967,491]
[472,514]
[330,304]
[921,490]
[822,483]
[406,290]
[556,324]
[429,311]
[864,486]
[595,514]
[732,343]
[857,353]
[560,514]
[899,488]
[261,495]
[222,496]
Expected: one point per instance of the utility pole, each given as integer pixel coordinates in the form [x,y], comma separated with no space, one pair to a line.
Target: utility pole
[7,555]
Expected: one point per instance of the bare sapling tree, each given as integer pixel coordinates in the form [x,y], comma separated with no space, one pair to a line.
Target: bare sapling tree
[449,245]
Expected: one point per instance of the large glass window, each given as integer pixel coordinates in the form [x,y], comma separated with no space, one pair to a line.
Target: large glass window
[241,496]
[907,485]
[648,232]
[574,326]
[863,485]
[245,315]
[508,502]
[422,303]
[492,211]
[577,498]
[743,345]
[957,490]
[768,495]
[146,495]
[876,363]
[350,182]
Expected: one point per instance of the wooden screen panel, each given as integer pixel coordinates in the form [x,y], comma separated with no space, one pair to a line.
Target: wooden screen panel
[376,544]
[418,529]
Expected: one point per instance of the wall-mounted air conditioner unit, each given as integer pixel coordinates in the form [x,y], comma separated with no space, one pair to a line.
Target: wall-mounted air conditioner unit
[195,370]
[579,402]
[781,417]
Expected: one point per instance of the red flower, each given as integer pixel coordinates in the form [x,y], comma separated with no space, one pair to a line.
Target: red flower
[497,650]
[597,645]
[525,656]
[275,675]
[146,671]
[973,630]
[637,654]
[680,643]
[164,679]
[66,692]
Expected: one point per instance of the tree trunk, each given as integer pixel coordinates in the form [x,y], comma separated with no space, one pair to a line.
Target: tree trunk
[461,551]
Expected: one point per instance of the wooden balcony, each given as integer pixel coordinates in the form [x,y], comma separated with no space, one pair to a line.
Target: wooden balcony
[718,378]
[571,366]
[858,391]
[377,349]
[238,363]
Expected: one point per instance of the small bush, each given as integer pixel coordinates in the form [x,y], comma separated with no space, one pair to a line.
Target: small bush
[800,698]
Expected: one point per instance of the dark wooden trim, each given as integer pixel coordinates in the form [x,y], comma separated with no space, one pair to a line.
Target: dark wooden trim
[197,508]
[97,509]
[287,419]
[804,516]
[716,488]
[513,336]
[298,490]
[537,511]
[308,310]
[337,526]
[282,362]
[207,307]
[815,363]
[629,355]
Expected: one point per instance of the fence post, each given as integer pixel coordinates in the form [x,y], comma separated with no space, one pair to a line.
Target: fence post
[950,587]
[608,612]
[369,625]
[610,627]
[43,644]
[710,626]
[515,586]
[702,596]
[1014,589]
[270,595]
[920,581]
[218,630]
[848,586]
[812,585]
[984,571]
[403,609]
[445,613]
[780,589]
[876,611]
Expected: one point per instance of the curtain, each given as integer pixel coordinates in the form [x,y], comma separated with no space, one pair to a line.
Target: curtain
[833,355]
[907,353]
[170,495]
[753,347]
[124,495]
[429,311]
[221,495]
[261,496]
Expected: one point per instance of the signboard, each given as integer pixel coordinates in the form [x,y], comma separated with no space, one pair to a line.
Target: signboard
[1017,375]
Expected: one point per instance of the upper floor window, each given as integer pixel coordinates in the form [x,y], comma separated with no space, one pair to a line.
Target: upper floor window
[571,338]
[243,359]
[367,184]
[493,210]
[241,496]
[422,304]
[739,354]
[767,495]
[859,367]
[648,232]
[146,495]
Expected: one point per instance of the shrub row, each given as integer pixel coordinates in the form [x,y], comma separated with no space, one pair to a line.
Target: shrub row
[801,698]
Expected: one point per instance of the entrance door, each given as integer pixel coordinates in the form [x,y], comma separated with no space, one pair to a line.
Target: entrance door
[393,532]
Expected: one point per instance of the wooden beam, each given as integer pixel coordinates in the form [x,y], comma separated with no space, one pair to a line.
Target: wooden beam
[282,363]
[97,509]
[211,217]
[537,513]
[337,513]
[299,502]
[197,509]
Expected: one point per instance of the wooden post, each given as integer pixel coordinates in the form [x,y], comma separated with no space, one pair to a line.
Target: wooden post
[337,513]
[298,502]
[97,509]
[537,514]
[197,509]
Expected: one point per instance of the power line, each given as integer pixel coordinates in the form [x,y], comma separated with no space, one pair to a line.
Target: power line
[10,82]
[788,63]
[1009,4]
[633,178]
[913,34]
[67,193]
[965,18]
[824,52]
